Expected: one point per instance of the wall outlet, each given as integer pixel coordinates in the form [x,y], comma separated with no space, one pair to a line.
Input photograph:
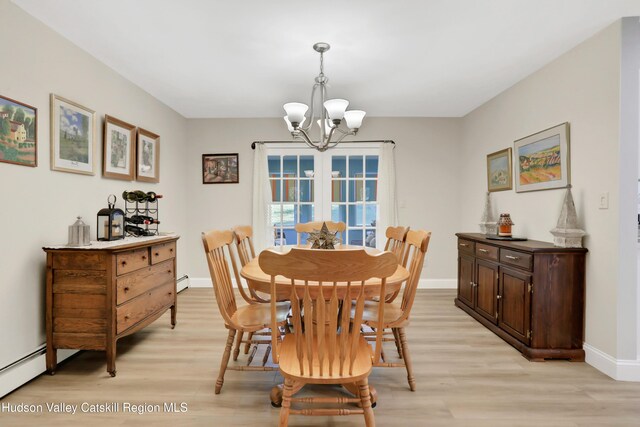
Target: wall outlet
[604,201]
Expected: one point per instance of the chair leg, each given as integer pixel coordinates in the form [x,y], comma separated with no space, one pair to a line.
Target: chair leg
[287,392]
[247,346]
[407,359]
[225,360]
[236,348]
[365,400]
[396,337]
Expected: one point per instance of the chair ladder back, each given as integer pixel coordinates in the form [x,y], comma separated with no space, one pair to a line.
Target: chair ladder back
[417,244]
[396,241]
[244,243]
[214,244]
[308,227]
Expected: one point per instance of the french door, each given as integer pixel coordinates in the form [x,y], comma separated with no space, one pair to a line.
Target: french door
[340,184]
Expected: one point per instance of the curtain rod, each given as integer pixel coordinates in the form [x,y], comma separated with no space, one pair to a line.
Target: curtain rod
[385,141]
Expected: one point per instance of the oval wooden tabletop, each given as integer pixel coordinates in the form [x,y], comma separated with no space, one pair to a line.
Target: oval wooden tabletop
[260,281]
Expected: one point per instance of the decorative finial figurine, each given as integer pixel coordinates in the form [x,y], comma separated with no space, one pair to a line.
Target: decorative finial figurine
[323,239]
[487,222]
[567,234]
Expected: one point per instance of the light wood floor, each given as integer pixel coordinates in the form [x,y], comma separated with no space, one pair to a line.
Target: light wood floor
[466,376]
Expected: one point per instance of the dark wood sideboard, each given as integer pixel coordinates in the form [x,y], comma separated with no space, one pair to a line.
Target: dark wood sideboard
[529,293]
[96,295]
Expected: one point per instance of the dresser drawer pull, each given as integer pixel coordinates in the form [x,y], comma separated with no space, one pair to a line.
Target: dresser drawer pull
[126,317]
[515,258]
[144,257]
[499,296]
[169,271]
[484,251]
[124,263]
[157,254]
[126,289]
[171,250]
[464,245]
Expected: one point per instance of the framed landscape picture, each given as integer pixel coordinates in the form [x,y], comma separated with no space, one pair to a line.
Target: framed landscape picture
[18,133]
[148,156]
[73,137]
[499,175]
[542,160]
[119,149]
[220,168]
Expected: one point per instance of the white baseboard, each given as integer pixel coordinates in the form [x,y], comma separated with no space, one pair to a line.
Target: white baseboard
[618,369]
[27,370]
[205,282]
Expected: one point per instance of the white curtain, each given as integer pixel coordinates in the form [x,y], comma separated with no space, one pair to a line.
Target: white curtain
[387,192]
[261,222]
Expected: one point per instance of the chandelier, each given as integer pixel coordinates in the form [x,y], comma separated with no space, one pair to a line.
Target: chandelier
[330,113]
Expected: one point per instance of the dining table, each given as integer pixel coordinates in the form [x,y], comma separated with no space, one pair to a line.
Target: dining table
[260,281]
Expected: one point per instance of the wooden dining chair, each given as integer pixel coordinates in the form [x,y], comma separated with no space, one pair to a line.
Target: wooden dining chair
[248,318]
[395,244]
[329,350]
[308,227]
[396,316]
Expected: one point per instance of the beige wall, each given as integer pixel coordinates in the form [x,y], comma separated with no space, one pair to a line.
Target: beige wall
[582,88]
[427,184]
[38,204]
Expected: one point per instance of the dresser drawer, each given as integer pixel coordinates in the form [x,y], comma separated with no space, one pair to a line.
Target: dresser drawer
[466,246]
[487,251]
[163,252]
[517,259]
[139,282]
[131,261]
[146,305]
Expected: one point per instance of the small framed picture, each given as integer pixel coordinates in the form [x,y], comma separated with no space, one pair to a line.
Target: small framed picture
[119,149]
[220,168]
[499,176]
[73,137]
[18,133]
[148,156]
[542,160]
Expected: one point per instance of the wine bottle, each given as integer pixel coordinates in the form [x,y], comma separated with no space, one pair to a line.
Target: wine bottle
[129,196]
[152,196]
[135,230]
[142,219]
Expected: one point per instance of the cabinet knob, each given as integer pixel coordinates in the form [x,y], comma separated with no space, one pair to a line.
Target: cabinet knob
[126,289]
[499,296]
[124,263]
[157,254]
[144,257]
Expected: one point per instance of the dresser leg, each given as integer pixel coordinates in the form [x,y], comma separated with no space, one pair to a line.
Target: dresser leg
[111,358]
[174,309]
[52,359]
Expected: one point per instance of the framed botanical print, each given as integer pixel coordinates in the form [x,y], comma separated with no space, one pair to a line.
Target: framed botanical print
[542,160]
[220,168]
[148,156]
[499,169]
[73,137]
[118,154]
[18,133]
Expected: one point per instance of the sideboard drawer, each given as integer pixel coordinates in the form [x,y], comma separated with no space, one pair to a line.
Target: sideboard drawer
[163,252]
[138,282]
[132,261]
[466,246]
[146,305]
[517,259]
[487,251]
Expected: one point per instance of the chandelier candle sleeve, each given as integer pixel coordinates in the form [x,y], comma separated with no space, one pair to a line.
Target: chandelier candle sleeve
[295,113]
[354,118]
[336,109]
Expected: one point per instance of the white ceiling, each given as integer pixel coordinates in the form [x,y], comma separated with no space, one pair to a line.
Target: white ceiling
[391,58]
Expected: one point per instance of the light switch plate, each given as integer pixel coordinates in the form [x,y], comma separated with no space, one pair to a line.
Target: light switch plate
[604,201]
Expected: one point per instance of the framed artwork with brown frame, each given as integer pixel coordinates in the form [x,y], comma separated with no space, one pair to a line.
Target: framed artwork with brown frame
[148,156]
[118,153]
[73,137]
[220,168]
[18,133]
[499,170]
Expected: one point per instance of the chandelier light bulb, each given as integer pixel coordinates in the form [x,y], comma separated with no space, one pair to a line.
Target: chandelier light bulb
[354,118]
[327,125]
[289,126]
[336,108]
[295,112]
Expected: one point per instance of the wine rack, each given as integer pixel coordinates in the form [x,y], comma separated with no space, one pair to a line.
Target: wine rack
[146,208]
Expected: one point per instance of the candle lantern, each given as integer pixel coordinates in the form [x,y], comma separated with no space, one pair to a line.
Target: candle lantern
[111,221]
[79,233]
[504,225]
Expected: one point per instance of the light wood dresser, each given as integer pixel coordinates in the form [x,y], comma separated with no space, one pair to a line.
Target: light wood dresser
[100,293]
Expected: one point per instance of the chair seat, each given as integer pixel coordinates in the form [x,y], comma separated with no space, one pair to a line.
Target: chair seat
[290,366]
[254,317]
[392,312]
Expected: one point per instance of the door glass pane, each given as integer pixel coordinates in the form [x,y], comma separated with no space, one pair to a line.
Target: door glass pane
[339,213]
[339,166]
[306,213]
[356,193]
[355,237]
[290,166]
[338,191]
[275,190]
[370,238]
[371,190]
[274,166]
[289,214]
[355,215]
[371,215]
[303,238]
[289,190]
[306,190]
[372,166]
[355,166]
[306,166]
[290,236]
[276,215]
